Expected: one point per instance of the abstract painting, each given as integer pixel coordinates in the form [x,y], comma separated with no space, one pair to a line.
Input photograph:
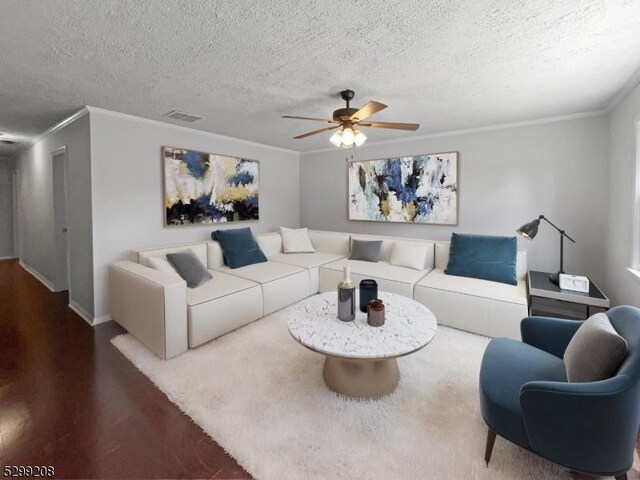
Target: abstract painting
[203,188]
[416,189]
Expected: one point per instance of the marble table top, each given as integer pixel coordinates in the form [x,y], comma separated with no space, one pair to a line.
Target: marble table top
[408,326]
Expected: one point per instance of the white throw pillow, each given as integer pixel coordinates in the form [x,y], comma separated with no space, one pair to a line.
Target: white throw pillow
[296,240]
[162,265]
[409,254]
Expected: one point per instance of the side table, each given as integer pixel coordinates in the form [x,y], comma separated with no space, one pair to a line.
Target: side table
[538,285]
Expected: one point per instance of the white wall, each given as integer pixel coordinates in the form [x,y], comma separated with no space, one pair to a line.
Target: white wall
[6,207]
[506,178]
[35,201]
[623,287]
[128,208]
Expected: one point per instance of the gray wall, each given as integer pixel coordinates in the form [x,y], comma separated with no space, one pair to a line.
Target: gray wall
[624,153]
[506,178]
[128,207]
[6,207]
[35,200]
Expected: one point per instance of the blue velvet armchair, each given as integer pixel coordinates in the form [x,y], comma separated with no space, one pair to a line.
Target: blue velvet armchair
[526,399]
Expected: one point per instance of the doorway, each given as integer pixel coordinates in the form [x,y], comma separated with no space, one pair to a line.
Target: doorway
[16,224]
[61,229]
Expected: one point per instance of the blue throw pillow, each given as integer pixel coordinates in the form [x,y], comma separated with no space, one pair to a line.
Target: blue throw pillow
[239,247]
[483,256]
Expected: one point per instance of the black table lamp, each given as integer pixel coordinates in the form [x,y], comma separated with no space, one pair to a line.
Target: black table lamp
[530,230]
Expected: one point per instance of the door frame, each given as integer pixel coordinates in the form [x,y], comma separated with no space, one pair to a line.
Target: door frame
[65,174]
[15,181]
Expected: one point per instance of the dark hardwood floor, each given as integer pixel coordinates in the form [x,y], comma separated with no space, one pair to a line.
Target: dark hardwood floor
[69,399]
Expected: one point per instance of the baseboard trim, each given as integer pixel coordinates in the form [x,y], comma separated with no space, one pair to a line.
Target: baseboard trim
[41,278]
[8,258]
[102,319]
[82,313]
[86,317]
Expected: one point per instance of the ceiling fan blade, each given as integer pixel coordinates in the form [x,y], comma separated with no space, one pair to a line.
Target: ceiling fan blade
[308,134]
[396,126]
[311,118]
[368,110]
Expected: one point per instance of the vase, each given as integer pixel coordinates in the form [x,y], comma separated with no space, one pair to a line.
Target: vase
[368,291]
[346,297]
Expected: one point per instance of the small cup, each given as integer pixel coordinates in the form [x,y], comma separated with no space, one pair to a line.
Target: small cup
[375,313]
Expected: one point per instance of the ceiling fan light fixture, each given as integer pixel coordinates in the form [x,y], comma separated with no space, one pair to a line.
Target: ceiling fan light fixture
[336,138]
[359,137]
[347,119]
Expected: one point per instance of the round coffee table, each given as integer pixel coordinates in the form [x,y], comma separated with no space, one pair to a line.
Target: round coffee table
[360,360]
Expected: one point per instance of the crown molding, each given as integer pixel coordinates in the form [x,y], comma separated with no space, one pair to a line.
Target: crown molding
[632,83]
[149,121]
[452,133]
[60,125]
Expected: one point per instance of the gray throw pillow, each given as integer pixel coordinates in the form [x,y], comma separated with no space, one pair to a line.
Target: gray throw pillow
[189,267]
[368,251]
[595,352]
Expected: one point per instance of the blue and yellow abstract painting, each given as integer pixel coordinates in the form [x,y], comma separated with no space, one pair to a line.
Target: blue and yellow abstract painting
[416,189]
[203,188]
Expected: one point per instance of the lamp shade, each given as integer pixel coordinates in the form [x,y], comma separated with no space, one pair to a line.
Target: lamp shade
[529,230]
[359,137]
[336,138]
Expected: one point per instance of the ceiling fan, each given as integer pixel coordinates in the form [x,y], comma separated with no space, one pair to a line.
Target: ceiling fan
[349,120]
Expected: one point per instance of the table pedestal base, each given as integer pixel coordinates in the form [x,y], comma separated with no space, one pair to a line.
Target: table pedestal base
[361,378]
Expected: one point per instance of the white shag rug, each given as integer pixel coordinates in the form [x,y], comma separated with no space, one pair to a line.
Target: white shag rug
[261,396]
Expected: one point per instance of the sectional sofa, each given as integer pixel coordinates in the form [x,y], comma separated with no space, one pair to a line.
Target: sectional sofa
[161,312]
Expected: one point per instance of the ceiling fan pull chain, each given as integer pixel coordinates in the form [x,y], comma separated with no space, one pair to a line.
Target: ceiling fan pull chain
[346,159]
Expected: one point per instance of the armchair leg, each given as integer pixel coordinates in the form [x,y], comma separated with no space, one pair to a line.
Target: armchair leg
[621,477]
[491,439]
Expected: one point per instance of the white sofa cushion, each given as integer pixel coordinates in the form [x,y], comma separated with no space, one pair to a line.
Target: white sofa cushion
[311,262]
[263,272]
[296,240]
[307,260]
[221,285]
[162,265]
[281,284]
[330,242]
[380,269]
[226,312]
[270,243]
[409,254]
[501,292]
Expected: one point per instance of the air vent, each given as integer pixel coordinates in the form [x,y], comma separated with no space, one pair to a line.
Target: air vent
[183,117]
[7,142]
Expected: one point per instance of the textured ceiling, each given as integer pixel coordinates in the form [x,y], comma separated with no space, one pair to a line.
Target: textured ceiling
[447,64]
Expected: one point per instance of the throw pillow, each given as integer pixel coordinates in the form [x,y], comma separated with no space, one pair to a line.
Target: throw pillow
[409,254]
[483,256]
[159,263]
[189,267]
[368,251]
[595,352]
[296,240]
[239,247]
